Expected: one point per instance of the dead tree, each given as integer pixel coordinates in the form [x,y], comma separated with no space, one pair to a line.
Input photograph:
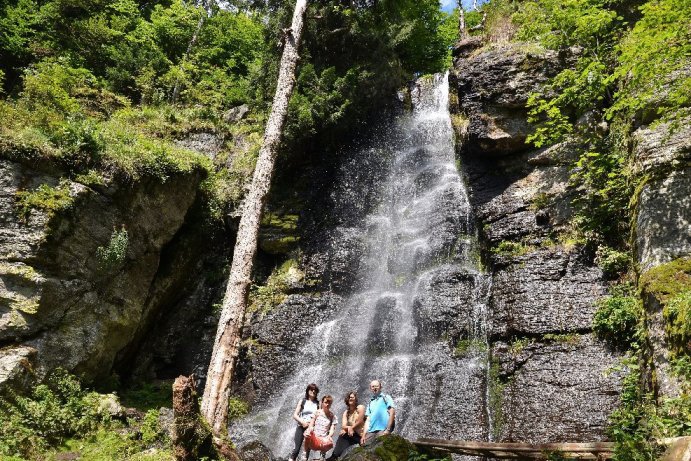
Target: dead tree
[227,342]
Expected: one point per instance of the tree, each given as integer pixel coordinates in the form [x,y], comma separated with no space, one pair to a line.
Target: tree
[227,342]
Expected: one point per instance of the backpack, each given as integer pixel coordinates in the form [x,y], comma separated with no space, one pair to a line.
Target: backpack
[393,424]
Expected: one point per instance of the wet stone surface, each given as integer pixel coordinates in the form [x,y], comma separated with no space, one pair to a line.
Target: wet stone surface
[549,290]
[555,391]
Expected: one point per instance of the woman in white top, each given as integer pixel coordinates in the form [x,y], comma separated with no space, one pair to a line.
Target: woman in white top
[323,424]
[304,411]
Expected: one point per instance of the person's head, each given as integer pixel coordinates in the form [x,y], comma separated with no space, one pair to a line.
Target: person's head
[350,399]
[327,400]
[311,392]
[375,386]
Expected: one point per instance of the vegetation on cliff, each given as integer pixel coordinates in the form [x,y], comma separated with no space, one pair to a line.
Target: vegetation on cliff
[630,68]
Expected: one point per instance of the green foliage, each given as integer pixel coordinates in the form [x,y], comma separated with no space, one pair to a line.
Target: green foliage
[149,396]
[59,417]
[112,257]
[416,456]
[639,420]
[264,298]
[46,198]
[612,262]
[667,280]
[466,347]
[568,96]
[55,410]
[509,248]
[151,429]
[618,316]
[677,314]
[669,283]
[602,206]
[496,388]
[559,23]
[237,408]
[653,61]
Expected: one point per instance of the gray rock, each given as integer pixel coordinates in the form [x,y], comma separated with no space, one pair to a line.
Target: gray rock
[209,144]
[663,221]
[255,451]
[60,300]
[443,303]
[549,290]
[16,368]
[166,420]
[493,87]
[554,392]
[236,113]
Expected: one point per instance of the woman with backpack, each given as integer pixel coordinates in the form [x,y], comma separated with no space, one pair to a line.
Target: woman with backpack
[319,434]
[303,414]
[352,424]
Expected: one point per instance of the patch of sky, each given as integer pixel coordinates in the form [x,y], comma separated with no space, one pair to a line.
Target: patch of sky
[449,5]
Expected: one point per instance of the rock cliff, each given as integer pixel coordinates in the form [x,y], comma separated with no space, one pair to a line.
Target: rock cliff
[81,282]
[551,379]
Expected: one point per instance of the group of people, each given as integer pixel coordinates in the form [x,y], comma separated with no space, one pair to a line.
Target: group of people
[316,422]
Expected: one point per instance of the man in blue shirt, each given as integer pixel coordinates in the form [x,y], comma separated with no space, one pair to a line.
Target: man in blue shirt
[380,414]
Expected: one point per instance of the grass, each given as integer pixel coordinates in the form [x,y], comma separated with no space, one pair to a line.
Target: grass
[50,199]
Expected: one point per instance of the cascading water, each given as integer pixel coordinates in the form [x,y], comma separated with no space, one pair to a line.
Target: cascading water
[417,322]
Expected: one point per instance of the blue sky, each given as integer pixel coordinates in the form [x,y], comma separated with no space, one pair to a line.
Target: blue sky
[448,5]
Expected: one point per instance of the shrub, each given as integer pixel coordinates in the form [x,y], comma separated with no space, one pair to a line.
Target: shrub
[237,408]
[112,257]
[612,262]
[54,411]
[617,317]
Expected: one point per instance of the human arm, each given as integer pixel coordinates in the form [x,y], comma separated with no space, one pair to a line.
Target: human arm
[392,416]
[364,431]
[360,421]
[344,423]
[332,429]
[296,414]
[310,428]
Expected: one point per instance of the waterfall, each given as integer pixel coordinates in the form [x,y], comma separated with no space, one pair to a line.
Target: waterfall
[417,320]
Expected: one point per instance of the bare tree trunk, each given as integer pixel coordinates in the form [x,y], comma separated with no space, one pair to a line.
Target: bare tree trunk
[462,29]
[227,343]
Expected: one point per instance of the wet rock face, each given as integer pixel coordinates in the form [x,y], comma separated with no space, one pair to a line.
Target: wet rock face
[545,291]
[77,314]
[547,382]
[441,307]
[554,391]
[493,88]
[280,333]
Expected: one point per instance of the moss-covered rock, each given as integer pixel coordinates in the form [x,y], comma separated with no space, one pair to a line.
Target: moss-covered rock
[386,448]
[666,293]
[77,262]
